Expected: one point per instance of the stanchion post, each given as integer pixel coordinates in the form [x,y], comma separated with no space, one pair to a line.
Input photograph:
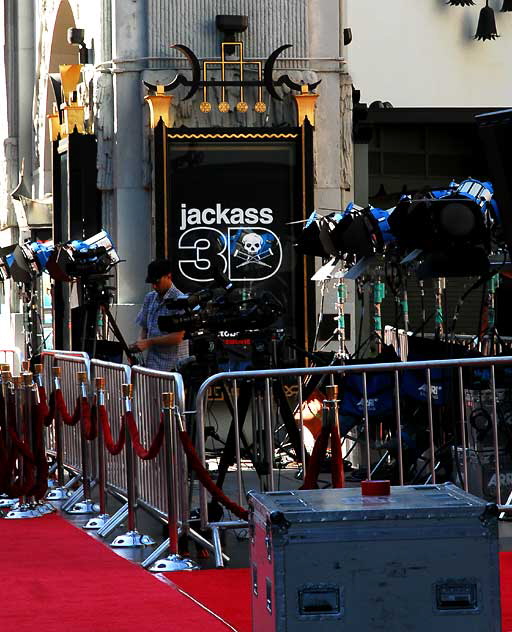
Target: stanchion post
[57,374]
[131,478]
[132,538]
[174,561]
[86,506]
[27,385]
[99,400]
[19,397]
[171,470]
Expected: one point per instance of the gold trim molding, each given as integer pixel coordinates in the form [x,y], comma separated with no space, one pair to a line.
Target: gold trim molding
[221,136]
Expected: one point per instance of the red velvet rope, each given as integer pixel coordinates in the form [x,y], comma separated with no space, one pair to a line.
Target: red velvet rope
[113,448]
[90,417]
[156,444]
[43,403]
[318,454]
[205,479]
[32,480]
[68,419]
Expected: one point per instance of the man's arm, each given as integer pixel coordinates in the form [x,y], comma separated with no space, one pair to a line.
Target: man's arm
[166,340]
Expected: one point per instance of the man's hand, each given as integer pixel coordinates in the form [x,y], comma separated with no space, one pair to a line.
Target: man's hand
[141,345]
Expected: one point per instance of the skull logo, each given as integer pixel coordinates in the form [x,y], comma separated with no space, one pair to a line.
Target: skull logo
[252,243]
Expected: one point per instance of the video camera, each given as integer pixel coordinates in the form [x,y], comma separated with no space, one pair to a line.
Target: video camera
[209,310]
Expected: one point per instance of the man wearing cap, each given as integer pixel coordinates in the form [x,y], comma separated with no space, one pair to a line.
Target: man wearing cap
[164,350]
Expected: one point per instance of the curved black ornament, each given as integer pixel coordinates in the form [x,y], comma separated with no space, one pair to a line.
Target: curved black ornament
[270,84]
[154,87]
[269,69]
[196,72]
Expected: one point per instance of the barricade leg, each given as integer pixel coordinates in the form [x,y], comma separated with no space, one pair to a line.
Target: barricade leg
[174,561]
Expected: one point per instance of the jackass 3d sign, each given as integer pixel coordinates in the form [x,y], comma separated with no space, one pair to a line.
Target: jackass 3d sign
[227,199]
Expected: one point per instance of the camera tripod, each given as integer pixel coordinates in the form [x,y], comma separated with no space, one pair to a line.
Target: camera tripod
[95,299]
[252,396]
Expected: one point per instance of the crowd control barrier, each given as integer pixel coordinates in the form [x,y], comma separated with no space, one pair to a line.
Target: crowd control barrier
[436,385]
[118,411]
[125,432]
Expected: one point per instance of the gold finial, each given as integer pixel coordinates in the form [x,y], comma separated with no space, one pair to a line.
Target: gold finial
[242,107]
[127,390]
[332,391]
[224,107]
[205,107]
[81,377]
[167,400]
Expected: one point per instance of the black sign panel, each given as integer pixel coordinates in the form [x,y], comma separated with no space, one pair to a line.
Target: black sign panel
[229,201]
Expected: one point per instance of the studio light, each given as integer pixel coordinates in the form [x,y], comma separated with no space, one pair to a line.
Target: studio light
[76,258]
[6,257]
[28,261]
[451,228]
[440,220]
[357,232]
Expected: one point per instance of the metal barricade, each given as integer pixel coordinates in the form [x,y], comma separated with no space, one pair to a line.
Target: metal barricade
[70,365]
[48,362]
[148,386]
[422,370]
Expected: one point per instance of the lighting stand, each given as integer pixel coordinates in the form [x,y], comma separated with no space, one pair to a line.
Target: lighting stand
[489,331]
[379,292]
[341,294]
[439,318]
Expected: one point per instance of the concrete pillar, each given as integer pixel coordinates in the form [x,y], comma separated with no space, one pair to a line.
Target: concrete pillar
[132,205]
[26,82]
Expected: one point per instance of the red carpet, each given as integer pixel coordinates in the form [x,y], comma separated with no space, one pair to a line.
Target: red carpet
[55,577]
[227,592]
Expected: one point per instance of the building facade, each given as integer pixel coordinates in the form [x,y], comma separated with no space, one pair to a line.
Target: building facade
[123,45]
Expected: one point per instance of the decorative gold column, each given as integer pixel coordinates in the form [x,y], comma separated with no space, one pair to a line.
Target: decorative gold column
[306,102]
